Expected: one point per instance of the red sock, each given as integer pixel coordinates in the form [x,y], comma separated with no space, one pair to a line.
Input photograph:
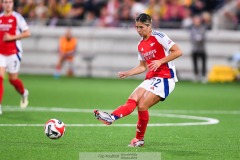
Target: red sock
[125,109]
[1,89]
[143,118]
[17,83]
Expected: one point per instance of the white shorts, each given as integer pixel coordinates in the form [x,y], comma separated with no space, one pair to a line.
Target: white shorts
[11,63]
[159,86]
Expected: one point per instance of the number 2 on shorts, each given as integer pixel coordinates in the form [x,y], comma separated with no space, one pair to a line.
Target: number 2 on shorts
[155,82]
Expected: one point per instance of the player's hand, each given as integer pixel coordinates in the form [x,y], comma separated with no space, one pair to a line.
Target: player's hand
[155,65]
[122,75]
[7,37]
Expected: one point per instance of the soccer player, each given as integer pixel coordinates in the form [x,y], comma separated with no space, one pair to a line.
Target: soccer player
[13,27]
[156,52]
[67,50]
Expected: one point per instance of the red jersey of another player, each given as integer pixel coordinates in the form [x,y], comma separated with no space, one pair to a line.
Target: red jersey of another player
[157,46]
[13,24]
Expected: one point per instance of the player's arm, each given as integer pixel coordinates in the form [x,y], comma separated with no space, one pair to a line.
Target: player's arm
[175,52]
[142,67]
[9,37]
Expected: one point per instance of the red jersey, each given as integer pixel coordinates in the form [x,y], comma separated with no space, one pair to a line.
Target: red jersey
[157,46]
[13,24]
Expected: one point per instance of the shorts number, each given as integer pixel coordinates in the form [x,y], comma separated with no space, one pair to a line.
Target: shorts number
[155,82]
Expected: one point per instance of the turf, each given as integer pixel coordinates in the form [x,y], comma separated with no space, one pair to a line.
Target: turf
[199,142]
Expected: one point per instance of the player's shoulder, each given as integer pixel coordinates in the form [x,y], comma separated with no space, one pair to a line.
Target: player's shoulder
[1,14]
[17,15]
[158,34]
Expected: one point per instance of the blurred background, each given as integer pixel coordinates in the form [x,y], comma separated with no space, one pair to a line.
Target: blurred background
[107,39]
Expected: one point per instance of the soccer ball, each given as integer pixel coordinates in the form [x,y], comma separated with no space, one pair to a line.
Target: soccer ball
[54,129]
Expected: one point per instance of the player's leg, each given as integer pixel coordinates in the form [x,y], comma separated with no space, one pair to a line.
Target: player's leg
[70,71]
[147,101]
[195,65]
[13,66]
[204,66]
[122,110]
[130,105]
[158,89]
[2,73]
[58,67]
[18,85]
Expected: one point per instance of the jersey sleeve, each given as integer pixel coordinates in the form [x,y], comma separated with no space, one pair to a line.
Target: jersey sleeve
[140,57]
[21,22]
[164,40]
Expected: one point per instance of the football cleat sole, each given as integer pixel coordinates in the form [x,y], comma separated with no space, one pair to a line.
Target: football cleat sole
[98,116]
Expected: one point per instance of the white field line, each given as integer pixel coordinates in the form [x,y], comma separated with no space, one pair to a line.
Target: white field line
[206,120]
[59,109]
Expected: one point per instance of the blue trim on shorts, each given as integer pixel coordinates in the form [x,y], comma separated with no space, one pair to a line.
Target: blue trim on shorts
[166,87]
[172,73]
[18,56]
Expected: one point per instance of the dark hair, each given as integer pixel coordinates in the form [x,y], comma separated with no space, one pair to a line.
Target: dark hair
[144,18]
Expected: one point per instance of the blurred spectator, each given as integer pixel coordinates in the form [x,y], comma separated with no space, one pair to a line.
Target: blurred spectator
[156,19]
[207,19]
[187,21]
[41,11]
[198,7]
[63,8]
[120,13]
[156,9]
[124,16]
[227,16]
[187,3]
[28,8]
[19,3]
[108,14]
[174,14]
[198,39]
[152,7]
[112,9]
[95,6]
[53,15]
[104,20]
[136,7]
[19,8]
[67,51]
[90,20]
[162,7]
[238,17]
[32,18]
[77,12]
[52,8]
[54,20]
[213,5]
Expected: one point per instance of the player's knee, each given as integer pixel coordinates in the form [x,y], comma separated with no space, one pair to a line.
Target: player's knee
[142,107]
[12,80]
[134,97]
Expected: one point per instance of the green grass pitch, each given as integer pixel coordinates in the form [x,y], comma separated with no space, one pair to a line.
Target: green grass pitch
[196,142]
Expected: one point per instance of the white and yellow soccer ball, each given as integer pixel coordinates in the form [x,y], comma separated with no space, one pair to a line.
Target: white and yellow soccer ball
[54,128]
